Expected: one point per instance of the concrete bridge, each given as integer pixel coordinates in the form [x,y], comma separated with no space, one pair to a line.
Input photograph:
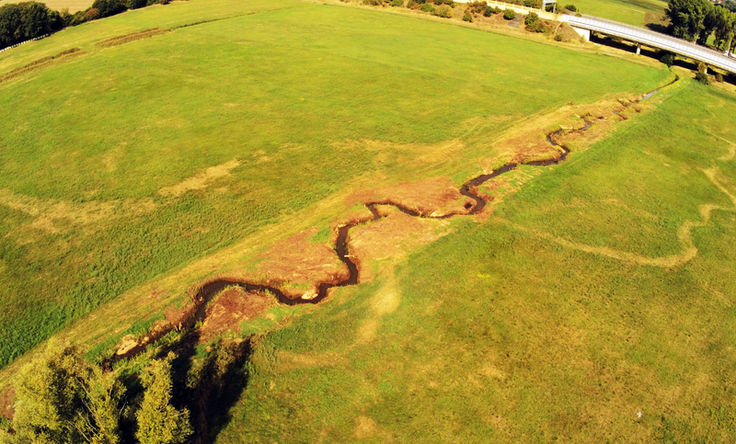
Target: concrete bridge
[586,24]
[651,39]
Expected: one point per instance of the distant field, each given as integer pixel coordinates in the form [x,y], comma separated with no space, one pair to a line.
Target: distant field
[632,12]
[58,5]
[511,331]
[255,117]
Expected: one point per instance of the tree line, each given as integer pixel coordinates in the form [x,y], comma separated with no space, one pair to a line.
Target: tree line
[698,20]
[28,20]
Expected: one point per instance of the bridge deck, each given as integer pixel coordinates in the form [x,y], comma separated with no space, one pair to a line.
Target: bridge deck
[652,39]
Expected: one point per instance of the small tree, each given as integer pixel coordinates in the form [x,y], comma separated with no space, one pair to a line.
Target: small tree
[60,398]
[467,17]
[701,76]
[444,11]
[668,59]
[108,7]
[533,23]
[158,421]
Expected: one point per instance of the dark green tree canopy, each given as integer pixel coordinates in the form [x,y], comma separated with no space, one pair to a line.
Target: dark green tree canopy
[24,21]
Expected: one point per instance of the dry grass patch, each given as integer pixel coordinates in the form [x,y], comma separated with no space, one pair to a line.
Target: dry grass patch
[201,180]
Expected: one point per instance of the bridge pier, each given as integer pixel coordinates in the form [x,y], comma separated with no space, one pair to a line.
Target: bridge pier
[638,48]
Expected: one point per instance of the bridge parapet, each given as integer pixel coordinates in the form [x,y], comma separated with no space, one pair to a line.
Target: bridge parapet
[652,39]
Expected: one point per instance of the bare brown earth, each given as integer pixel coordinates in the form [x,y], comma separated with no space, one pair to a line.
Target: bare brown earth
[391,237]
[230,309]
[7,397]
[299,264]
[434,196]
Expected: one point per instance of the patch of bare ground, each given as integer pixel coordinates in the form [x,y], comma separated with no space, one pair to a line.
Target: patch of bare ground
[431,197]
[230,309]
[391,237]
[7,397]
[298,264]
[201,180]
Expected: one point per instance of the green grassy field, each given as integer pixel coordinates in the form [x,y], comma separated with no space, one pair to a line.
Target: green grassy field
[503,332]
[602,289]
[95,143]
[633,12]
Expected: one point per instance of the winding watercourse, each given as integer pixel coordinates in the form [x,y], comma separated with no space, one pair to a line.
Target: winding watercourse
[206,292]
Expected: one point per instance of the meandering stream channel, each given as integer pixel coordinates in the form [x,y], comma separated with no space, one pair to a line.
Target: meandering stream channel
[206,292]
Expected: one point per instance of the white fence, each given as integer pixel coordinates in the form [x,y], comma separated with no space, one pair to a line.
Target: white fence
[31,40]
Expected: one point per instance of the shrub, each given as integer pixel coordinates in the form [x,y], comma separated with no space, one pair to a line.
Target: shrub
[373,2]
[135,4]
[427,7]
[397,3]
[571,8]
[421,2]
[77,19]
[444,11]
[509,14]
[92,14]
[410,3]
[450,3]
[533,23]
[668,59]
[533,4]
[467,17]
[702,78]
[437,2]
[487,11]
[108,7]
[477,7]
[719,77]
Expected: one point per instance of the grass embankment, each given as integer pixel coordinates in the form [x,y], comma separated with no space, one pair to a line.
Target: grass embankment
[633,12]
[95,147]
[494,334]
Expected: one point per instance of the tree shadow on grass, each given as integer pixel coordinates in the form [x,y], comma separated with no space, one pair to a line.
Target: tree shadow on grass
[211,385]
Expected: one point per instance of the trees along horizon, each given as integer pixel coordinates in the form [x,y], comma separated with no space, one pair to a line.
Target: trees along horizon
[698,20]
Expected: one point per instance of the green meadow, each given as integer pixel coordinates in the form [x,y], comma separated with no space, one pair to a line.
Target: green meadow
[94,145]
[633,12]
[596,304]
[503,332]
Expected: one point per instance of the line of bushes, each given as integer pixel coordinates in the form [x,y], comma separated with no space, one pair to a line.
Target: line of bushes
[20,22]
